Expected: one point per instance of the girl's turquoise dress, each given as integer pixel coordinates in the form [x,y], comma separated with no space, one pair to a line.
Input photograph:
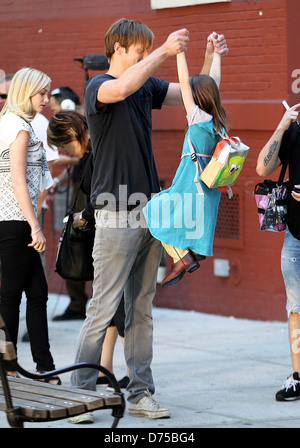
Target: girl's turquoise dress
[180,216]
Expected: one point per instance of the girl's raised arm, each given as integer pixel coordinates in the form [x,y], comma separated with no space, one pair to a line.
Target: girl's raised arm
[183,76]
[215,69]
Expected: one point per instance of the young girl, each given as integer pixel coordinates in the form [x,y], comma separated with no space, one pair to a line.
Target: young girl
[183,217]
[23,173]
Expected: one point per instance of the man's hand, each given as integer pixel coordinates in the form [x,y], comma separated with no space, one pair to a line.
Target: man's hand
[216,42]
[177,42]
[221,45]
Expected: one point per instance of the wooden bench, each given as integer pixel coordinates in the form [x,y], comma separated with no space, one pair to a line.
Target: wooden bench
[28,400]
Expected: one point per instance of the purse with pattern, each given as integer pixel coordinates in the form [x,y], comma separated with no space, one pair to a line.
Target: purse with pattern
[272,196]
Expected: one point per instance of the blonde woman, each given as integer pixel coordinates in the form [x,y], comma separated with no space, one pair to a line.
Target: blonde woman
[23,173]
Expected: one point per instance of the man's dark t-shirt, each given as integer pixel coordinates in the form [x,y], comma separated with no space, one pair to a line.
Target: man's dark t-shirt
[293,218]
[121,139]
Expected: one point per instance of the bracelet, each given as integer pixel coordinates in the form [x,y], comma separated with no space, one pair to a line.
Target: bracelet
[57,181]
[33,233]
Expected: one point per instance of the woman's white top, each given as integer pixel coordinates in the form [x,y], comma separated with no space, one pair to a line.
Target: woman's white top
[38,176]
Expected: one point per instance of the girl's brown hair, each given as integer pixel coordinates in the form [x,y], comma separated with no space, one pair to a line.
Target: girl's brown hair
[65,127]
[127,32]
[207,96]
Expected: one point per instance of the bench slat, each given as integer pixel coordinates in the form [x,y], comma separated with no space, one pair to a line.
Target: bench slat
[47,406]
[41,400]
[37,409]
[71,393]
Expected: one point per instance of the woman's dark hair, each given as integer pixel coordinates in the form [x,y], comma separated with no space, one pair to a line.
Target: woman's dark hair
[65,127]
[207,96]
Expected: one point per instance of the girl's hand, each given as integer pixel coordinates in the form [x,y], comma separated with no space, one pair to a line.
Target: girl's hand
[38,241]
[212,40]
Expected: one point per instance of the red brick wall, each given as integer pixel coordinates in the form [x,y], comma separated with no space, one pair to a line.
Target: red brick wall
[256,77]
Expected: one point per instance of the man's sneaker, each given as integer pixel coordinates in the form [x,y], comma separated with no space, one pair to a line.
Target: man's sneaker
[290,390]
[86,418]
[148,407]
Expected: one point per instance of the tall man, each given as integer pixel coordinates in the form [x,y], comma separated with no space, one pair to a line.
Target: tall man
[126,257]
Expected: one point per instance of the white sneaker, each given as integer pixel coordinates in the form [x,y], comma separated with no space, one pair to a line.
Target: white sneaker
[88,417]
[148,407]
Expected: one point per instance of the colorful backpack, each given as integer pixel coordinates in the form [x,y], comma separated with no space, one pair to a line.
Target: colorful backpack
[225,165]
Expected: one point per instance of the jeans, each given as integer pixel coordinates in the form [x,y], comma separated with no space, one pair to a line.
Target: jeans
[290,268]
[22,270]
[126,259]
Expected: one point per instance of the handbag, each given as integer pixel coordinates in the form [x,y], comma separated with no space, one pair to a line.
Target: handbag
[272,196]
[74,259]
[225,165]
[271,201]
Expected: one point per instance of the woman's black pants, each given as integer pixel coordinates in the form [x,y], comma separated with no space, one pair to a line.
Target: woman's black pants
[22,271]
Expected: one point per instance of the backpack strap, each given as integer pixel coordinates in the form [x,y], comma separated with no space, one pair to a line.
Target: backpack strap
[195,159]
[199,169]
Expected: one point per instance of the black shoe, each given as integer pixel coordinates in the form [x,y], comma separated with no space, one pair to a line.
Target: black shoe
[290,390]
[69,315]
[25,337]
[123,383]
[103,380]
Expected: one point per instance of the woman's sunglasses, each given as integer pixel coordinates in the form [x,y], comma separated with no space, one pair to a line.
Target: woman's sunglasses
[3,96]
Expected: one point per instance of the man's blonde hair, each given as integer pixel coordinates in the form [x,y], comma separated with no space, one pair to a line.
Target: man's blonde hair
[24,84]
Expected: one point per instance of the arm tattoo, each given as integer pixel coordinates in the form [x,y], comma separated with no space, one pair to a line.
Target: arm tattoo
[270,154]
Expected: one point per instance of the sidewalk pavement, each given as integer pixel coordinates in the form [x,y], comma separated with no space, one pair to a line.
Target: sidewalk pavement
[210,371]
